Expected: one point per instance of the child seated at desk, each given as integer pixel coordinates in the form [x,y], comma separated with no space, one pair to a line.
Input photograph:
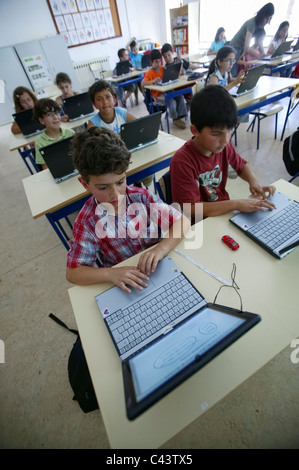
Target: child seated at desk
[218,42]
[64,83]
[47,112]
[220,69]
[176,106]
[109,116]
[117,221]
[135,55]
[245,59]
[199,169]
[23,99]
[123,56]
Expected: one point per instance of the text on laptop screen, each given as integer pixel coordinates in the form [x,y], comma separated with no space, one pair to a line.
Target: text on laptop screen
[158,363]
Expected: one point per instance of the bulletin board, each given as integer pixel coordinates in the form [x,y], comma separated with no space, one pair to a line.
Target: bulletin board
[82,22]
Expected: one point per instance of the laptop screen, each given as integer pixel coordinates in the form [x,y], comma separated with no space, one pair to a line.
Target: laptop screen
[58,158]
[78,105]
[27,123]
[136,134]
[168,361]
[152,367]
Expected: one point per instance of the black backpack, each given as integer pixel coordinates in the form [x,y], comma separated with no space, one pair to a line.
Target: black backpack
[78,373]
[291,153]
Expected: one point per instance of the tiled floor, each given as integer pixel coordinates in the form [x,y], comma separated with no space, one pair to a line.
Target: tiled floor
[36,407]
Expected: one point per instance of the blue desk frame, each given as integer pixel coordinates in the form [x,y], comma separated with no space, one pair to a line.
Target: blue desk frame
[282,66]
[275,97]
[173,94]
[121,85]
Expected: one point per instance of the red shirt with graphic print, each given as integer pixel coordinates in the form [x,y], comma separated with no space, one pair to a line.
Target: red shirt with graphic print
[196,177]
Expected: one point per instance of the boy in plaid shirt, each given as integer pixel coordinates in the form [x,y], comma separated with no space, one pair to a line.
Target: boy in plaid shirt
[117,221]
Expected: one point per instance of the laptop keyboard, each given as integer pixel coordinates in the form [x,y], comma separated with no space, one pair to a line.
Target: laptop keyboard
[146,317]
[279,228]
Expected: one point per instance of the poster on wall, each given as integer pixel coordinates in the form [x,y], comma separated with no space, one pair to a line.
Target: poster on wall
[82,22]
[37,71]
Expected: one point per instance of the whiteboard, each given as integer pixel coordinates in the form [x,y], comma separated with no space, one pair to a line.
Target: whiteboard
[13,75]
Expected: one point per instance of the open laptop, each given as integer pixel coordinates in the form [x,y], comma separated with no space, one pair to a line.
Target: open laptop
[295,49]
[145,62]
[28,125]
[251,78]
[174,333]
[122,68]
[276,231]
[141,132]
[280,51]
[59,160]
[170,74]
[78,106]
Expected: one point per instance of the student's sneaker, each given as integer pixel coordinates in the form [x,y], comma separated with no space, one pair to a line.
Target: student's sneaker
[179,123]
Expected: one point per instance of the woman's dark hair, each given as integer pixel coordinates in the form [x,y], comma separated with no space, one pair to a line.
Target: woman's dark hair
[222,53]
[99,86]
[213,106]
[280,27]
[44,106]
[219,31]
[98,151]
[266,11]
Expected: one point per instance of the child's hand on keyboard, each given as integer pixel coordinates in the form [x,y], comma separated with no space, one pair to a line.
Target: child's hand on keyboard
[254,204]
[148,261]
[128,276]
[258,190]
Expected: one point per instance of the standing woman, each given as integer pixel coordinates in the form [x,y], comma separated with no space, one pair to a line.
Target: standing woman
[241,40]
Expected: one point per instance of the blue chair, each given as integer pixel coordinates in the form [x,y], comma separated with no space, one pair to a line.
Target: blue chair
[262,113]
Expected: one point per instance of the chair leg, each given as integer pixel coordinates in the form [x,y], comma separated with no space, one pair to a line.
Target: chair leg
[276,120]
[252,124]
[258,132]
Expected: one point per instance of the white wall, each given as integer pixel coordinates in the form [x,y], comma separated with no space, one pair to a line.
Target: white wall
[26,20]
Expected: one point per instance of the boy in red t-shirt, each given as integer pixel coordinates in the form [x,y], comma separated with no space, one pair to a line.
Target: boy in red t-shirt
[199,168]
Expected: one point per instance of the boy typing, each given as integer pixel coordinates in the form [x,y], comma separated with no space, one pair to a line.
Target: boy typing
[47,112]
[199,169]
[176,106]
[117,221]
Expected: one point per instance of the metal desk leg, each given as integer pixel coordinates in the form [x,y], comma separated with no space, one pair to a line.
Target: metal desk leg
[59,231]
[287,115]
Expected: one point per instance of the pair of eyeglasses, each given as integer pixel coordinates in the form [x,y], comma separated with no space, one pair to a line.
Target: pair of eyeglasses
[229,61]
[52,113]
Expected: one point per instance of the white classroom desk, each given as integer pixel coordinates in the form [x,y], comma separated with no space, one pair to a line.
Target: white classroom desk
[45,196]
[18,141]
[127,76]
[268,287]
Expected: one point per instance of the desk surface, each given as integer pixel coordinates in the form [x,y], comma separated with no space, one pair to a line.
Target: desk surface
[126,77]
[266,86]
[182,81]
[44,195]
[261,279]
[18,141]
[280,60]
